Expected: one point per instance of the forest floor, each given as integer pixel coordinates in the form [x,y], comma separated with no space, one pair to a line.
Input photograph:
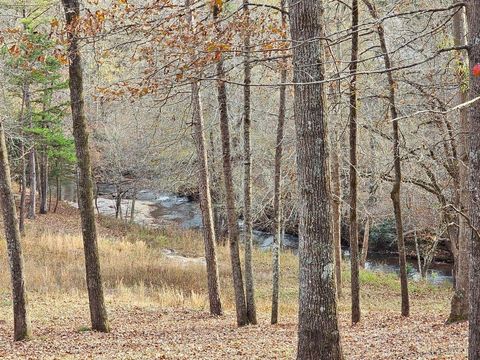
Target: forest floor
[158,307]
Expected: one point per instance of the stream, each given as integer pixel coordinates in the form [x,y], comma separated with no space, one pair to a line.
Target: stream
[159,209]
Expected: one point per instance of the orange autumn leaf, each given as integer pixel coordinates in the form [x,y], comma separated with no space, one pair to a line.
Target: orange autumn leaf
[14,50]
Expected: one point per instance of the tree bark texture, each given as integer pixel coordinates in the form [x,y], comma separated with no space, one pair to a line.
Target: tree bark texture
[459,304]
[354,255]
[98,312]
[473,12]
[205,195]
[318,333]
[233,230]
[247,174]
[14,249]
[277,194]
[337,215]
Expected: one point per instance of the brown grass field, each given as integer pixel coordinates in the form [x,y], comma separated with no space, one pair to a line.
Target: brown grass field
[159,310]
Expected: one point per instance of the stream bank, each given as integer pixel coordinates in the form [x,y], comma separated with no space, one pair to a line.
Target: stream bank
[159,209]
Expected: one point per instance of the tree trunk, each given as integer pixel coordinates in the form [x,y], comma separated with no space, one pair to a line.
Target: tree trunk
[366,236]
[474,137]
[32,164]
[23,193]
[371,201]
[38,159]
[215,192]
[59,194]
[277,196]
[233,231]
[118,204]
[132,209]
[43,181]
[12,235]
[318,333]
[24,119]
[419,255]
[395,194]
[459,305]
[337,215]
[96,197]
[354,258]
[205,195]
[33,185]
[247,176]
[49,197]
[98,311]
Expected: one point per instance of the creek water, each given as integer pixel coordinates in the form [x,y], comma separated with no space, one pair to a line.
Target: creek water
[160,209]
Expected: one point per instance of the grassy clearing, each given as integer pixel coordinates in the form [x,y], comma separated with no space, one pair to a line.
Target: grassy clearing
[133,265]
[158,306]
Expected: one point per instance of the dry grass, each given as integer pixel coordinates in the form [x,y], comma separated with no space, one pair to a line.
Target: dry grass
[140,282]
[132,260]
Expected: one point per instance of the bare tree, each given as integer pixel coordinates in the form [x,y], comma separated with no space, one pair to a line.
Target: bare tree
[205,196]
[12,235]
[247,166]
[98,312]
[318,334]
[33,181]
[354,257]
[395,194]
[24,114]
[277,192]
[233,231]
[474,58]
[459,305]
[337,214]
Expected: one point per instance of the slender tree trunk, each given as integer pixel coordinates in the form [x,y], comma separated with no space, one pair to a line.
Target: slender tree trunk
[12,235]
[419,255]
[459,305]
[38,159]
[43,181]
[371,200]
[33,185]
[277,196]
[318,333]
[23,193]
[23,120]
[335,169]
[96,198]
[354,261]
[215,193]
[59,194]
[205,195]
[247,176]
[98,311]
[132,209]
[233,231]
[473,13]
[337,215]
[118,204]
[366,236]
[395,194]
[49,197]
[206,204]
